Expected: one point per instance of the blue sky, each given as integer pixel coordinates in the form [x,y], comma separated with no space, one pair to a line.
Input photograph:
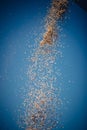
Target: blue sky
[22,22]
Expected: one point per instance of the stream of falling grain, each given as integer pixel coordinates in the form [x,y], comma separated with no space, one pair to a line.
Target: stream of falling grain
[42,103]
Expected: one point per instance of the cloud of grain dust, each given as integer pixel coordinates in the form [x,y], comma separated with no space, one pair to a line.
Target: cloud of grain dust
[58,8]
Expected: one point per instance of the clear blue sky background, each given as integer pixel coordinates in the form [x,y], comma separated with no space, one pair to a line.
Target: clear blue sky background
[21,22]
